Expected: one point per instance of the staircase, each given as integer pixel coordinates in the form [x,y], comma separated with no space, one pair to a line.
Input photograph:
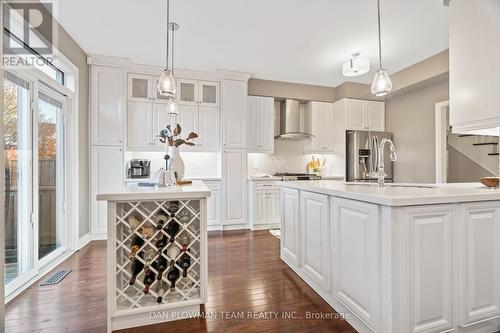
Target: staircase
[482,150]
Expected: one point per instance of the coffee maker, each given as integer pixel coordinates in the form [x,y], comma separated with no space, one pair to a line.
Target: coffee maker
[139,168]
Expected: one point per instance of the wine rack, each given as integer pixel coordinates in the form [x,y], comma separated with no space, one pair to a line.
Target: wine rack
[149,226]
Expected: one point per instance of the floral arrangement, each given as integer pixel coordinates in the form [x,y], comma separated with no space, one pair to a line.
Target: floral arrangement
[173,137]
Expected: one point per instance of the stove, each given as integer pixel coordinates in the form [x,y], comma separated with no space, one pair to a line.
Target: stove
[288,176]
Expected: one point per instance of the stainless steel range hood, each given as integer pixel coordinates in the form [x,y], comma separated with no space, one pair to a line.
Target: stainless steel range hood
[290,128]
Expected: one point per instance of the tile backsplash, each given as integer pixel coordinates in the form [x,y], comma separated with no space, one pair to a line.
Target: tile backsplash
[288,156]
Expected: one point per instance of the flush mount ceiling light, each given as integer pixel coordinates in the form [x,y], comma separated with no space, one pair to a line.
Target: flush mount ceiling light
[382,84]
[355,66]
[167,85]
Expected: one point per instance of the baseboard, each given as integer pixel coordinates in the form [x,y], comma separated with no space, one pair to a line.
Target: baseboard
[214,227]
[95,237]
[84,240]
[242,226]
[265,226]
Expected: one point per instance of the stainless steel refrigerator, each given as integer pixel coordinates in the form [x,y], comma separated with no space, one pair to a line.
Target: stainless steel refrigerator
[362,156]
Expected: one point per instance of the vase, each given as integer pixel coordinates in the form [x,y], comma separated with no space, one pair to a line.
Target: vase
[175,162]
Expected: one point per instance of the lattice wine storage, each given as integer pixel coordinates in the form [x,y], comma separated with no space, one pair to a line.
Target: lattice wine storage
[158,248]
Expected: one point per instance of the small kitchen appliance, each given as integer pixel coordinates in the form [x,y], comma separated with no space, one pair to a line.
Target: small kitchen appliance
[139,168]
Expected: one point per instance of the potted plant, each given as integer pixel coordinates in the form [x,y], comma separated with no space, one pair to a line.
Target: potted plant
[172,140]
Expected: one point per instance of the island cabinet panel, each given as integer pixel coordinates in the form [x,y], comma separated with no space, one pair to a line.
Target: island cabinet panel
[290,233]
[314,222]
[355,236]
[478,248]
[430,267]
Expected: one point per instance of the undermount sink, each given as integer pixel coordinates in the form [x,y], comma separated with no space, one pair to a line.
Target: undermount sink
[392,185]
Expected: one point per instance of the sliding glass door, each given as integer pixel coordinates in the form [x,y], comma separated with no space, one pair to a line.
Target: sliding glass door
[34,141]
[18,176]
[50,160]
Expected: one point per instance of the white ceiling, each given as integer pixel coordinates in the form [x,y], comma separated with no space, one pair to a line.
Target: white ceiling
[283,40]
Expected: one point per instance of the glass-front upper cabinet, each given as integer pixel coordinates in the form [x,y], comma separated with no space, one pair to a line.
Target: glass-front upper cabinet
[143,88]
[198,92]
[187,91]
[209,93]
[139,87]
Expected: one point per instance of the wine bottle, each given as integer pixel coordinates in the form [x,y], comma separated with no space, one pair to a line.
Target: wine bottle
[149,255]
[172,229]
[172,276]
[172,252]
[136,268]
[184,217]
[161,242]
[149,278]
[161,219]
[185,262]
[184,240]
[133,223]
[162,287]
[173,207]
[161,266]
[135,245]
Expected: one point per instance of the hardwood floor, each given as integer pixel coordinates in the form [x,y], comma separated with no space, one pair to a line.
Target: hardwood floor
[245,275]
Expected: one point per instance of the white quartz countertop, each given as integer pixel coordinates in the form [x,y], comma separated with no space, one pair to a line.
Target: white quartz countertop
[134,192]
[400,194]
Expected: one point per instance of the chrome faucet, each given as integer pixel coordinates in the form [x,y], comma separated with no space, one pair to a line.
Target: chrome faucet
[381,173]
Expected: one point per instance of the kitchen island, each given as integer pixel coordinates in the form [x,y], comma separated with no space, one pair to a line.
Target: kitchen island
[156,254]
[402,258]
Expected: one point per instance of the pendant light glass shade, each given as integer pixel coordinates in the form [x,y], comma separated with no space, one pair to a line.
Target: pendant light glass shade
[382,84]
[167,85]
[172,107]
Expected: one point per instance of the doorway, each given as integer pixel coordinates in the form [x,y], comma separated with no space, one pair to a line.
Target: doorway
[34,145]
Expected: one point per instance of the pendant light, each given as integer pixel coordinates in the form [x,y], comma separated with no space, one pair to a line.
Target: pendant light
[382,84]
[167,85]
[172,103]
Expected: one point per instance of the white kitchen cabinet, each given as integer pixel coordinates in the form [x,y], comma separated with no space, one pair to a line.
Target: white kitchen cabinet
[141,127]
[208,128]
[143,88]
[474,27]
[315,226]
[146,120]
[264,205]
[214,205]
[359,115]
[194,92]
[260,125]
[319,122]
[428,244]
[364,115]
[290,226]
[478,266]
[106,176]
[234,114]
[356,257]
[106,106]
[234,175]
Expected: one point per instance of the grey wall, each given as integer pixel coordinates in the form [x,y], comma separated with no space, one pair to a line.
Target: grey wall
[67,45]
[462,169]
[411,118]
